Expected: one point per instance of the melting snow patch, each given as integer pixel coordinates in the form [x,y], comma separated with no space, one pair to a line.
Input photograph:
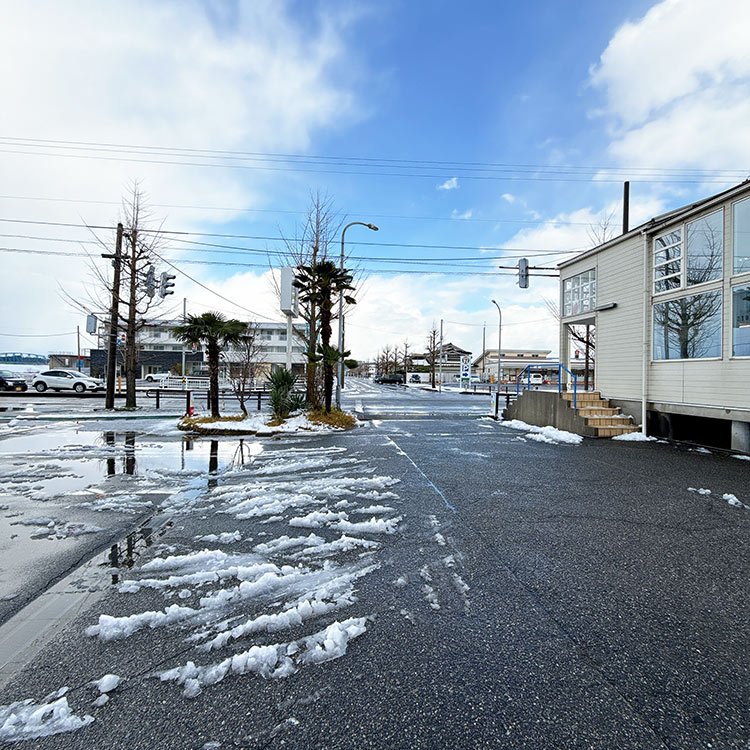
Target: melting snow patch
[431,596]
[317,518]
[546,434]
[226,537]
[107,683]
[741,458]
[271,661]
[732,500]
[401,582]
[634,437]
[374,509]
[373,526]
[440,539]
[700,491]
[25,720]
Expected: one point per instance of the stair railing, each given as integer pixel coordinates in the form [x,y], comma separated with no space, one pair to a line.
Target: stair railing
[547,366]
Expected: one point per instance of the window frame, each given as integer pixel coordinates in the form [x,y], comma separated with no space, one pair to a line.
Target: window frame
[683,258]
[732,289]
[590,283]
[734,272]
[713,358]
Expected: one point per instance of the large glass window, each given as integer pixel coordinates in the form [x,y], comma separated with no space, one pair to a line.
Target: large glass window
[742,236]
[682,261]
[705,248]
[688,327]
[579,293]
[741,321]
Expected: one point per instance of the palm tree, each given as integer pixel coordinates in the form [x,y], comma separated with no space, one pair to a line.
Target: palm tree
[320,284]
[214,331]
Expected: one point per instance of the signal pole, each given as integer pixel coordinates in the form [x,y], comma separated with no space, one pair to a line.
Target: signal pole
[184,316]
[114,313]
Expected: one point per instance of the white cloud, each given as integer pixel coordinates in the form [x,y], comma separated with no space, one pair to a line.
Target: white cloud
[676,85]
[393,308]
[450,184]
[462,215]
[509,198]
[155,74]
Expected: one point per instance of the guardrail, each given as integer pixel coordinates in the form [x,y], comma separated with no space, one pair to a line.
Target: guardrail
[188,395]
[548,366]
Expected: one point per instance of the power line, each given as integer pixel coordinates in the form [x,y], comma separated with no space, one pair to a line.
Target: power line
[38,335]
[410,246]
[359,160]
[414,175]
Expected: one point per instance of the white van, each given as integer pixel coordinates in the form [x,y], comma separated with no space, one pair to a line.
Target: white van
[536,378]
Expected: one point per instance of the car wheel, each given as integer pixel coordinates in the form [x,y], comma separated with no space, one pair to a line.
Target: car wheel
[79,387]
[41,387]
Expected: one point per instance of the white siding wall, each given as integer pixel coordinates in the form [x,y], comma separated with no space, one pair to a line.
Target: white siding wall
[619,338]
[721,382]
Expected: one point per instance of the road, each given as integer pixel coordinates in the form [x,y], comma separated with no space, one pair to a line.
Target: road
[529,595]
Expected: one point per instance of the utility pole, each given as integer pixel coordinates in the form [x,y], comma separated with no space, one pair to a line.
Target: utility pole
[78,338]
[499,344]
[114,313]
[184,317]
[440,387]
[131,349]
[484,330]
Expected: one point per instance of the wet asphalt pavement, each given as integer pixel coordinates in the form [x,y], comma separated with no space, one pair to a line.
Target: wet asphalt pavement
[533,596]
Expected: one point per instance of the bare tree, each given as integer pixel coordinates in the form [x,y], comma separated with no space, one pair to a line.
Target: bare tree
[432,354]
[244,364]
[137,294]
[405,356]
[312,242]
[603,230]
[584,336]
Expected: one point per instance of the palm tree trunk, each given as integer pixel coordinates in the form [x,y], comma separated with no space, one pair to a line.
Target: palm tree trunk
[213,377]
[325,338]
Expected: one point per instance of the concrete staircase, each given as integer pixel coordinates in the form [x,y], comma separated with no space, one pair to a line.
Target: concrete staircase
[599,414]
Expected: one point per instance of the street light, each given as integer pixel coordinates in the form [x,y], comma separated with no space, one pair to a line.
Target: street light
[340,373]
[499,342]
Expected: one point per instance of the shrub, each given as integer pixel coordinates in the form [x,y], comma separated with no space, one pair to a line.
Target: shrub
[335,418]
[281,398]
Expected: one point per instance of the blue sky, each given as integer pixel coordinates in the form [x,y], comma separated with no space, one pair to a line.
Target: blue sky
[561,87]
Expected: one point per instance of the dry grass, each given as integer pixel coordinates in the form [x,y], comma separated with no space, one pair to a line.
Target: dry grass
[336,418]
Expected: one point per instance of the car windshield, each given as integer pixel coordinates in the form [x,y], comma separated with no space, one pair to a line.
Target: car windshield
[6,374]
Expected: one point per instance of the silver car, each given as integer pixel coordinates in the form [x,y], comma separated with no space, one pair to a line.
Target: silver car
[65,380]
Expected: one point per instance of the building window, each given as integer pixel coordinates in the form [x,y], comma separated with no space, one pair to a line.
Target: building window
[688,327]
[698,259]
[741,321]
[705,248]
[668,261]
[158,347]
[741,221]
[579,293]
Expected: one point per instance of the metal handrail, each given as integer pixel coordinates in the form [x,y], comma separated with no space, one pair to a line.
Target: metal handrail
[547,366]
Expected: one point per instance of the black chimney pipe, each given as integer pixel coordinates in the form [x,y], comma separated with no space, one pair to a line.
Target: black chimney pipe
[625,206]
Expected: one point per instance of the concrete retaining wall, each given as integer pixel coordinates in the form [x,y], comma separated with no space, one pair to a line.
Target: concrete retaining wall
[542,408]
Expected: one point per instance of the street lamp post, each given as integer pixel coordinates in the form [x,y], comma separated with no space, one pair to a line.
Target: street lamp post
[499,343]
[340,370]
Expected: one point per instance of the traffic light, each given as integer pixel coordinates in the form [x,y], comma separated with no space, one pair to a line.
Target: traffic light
[523,273]
[165,287]
[150,282]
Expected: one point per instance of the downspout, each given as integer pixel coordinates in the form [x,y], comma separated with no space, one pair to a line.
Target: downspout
[645,353]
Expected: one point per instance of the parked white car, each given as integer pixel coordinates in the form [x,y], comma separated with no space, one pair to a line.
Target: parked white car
[536,378]
[65,380]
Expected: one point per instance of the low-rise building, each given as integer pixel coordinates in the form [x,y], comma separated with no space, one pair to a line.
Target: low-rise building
[670,300]
[512,364]
[160,351]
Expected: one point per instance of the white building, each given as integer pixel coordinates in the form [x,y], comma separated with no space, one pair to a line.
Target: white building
[159,350]
[670,300]
[513,362]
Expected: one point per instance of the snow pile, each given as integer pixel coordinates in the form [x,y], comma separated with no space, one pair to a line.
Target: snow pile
[374,509]
[634,437]
[732,500]
[25,720]
[546,434]
[316,519]
[741,458]
[283,543]
[272,661]
[700,491]
[373,526]
[226,537]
